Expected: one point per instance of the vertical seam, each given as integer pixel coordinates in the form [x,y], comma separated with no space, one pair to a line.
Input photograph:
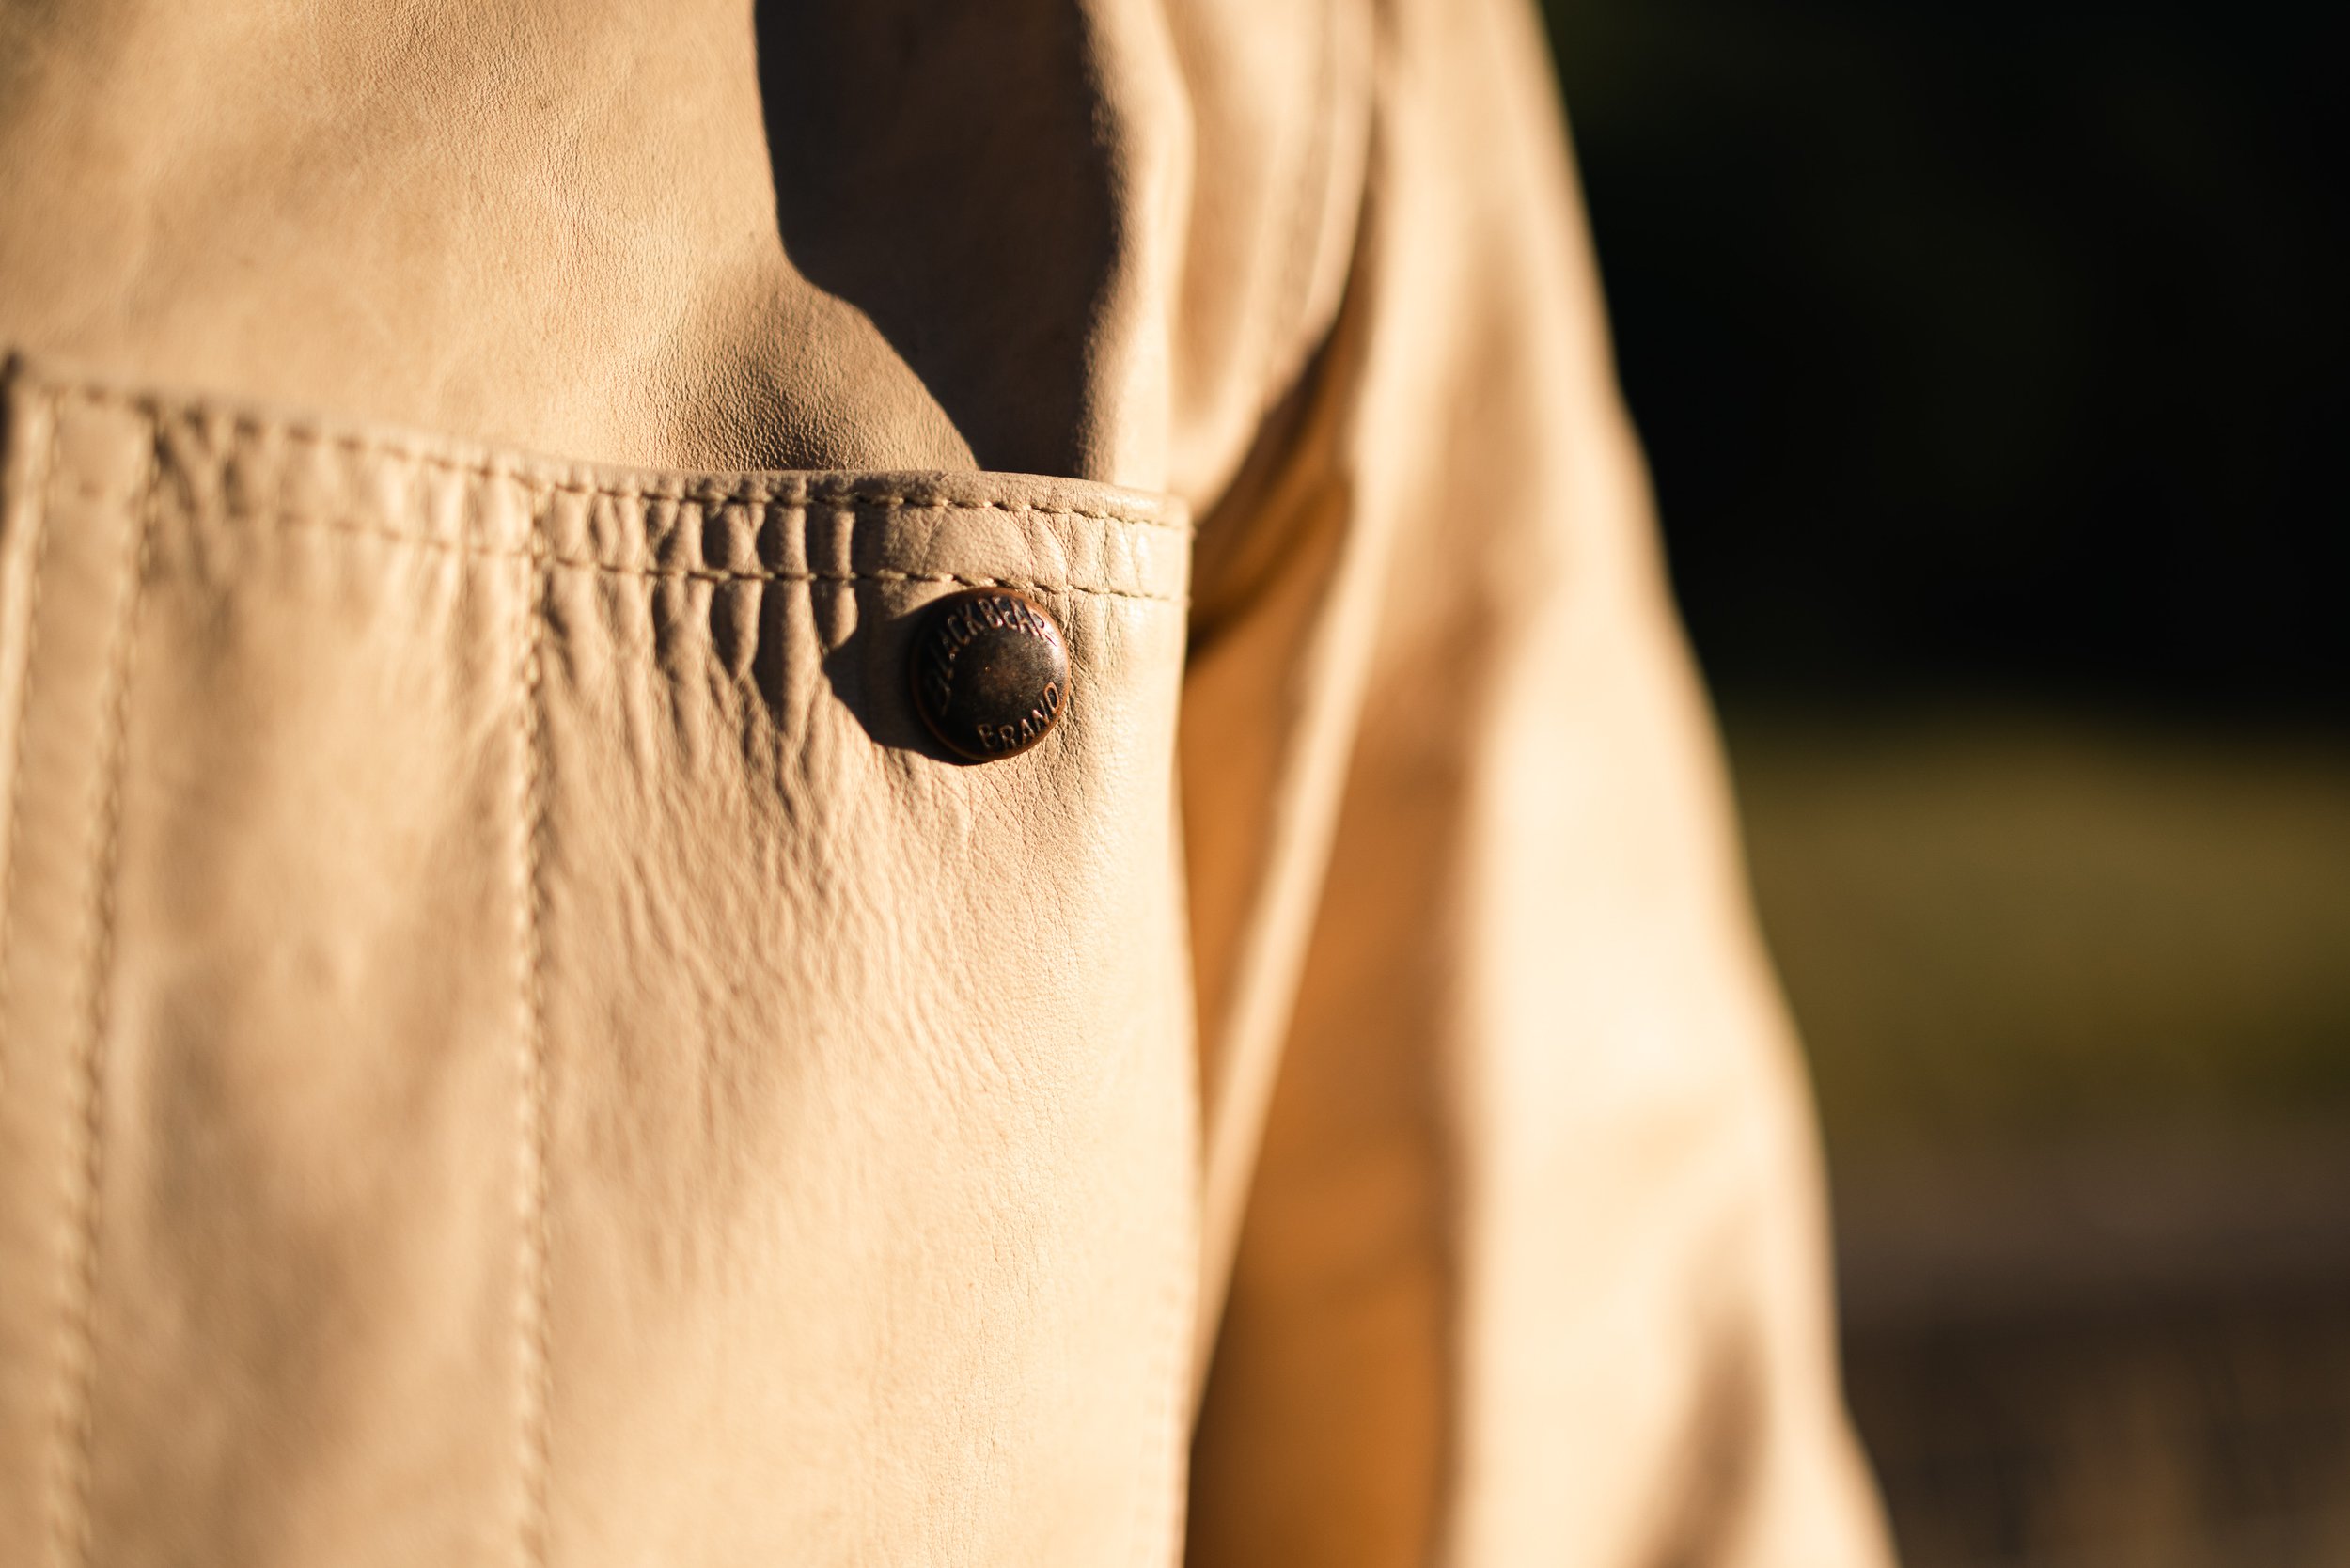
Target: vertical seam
[42,492]
[77,1361]
[530,1312]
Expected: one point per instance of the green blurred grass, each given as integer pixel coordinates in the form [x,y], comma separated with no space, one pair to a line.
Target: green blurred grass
[2001,926]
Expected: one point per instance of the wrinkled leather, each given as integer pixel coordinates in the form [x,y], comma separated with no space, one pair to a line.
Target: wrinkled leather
[517,1047]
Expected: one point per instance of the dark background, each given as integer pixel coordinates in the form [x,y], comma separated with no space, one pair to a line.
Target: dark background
[1989,361]
[1992,345]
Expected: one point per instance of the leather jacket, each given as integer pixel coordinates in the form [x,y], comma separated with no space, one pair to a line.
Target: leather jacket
[522,1045]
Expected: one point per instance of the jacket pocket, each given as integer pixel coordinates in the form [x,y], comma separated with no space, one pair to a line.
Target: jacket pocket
[515,1033]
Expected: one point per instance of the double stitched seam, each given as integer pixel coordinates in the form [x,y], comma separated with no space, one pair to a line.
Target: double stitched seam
[533,1357]
[787,492]
[77,1368]
[43,493]
[543,557]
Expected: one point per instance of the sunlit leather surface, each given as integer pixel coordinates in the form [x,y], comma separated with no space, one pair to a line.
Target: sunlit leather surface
[518,1045]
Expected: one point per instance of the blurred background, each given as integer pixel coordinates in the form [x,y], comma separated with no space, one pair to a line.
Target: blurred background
[1989,357]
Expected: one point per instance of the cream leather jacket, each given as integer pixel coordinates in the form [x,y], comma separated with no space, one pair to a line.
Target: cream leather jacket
[521,1048]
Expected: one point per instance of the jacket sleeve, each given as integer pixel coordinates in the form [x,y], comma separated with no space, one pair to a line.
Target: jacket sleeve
[1508,1153]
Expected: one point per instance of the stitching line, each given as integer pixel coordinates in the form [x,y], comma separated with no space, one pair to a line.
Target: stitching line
[37,557]
[533,1360]
[78,1359]
[767,490]
[705,574]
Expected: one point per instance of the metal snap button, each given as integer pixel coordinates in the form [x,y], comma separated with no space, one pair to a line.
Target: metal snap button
[989,672]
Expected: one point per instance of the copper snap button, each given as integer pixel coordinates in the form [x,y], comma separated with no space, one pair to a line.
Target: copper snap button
[990,673]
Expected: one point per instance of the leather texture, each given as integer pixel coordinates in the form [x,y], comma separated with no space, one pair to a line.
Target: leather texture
[518,1047]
